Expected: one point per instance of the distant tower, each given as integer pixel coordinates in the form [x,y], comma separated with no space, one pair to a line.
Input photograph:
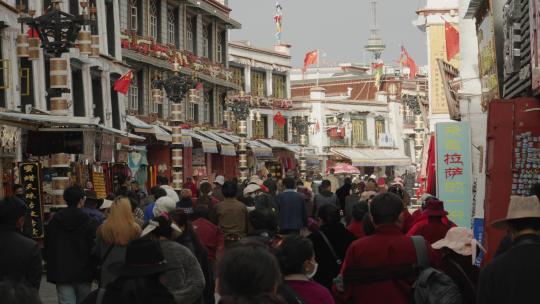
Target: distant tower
[375,44]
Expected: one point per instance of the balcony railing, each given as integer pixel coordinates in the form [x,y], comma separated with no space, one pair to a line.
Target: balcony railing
[168,52]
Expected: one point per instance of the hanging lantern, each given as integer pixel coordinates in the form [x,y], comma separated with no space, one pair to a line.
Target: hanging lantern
[85,42]
[33,48]
[94,53]
[22,45]
[59,73]
[258,115]
[157,96]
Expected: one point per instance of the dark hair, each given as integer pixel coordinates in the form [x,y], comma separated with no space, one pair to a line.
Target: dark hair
[329,214]
[347,181]
[158,192]
[325,184]
[525,223]
[332,171]
[18,293]
[164,228]
[134,182]
[73,195]
[140,289]
[289,183]
[263,219]
[229,189]
[397,190]
[293,252]
[11,210]
[246,272]
[201,211]
[385,208]
[372,180]
[122,191]
[299,183]
[17,187]
[359,210]
[367,224]
[122,178]
[162,180]
[269,175]
[205,188]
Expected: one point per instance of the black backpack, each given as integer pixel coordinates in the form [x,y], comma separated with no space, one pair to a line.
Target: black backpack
[432,286]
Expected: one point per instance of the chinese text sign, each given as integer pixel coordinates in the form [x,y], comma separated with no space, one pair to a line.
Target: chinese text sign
[453,144]
[31,181]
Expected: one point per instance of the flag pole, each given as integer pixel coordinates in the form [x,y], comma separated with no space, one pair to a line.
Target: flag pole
[318,65]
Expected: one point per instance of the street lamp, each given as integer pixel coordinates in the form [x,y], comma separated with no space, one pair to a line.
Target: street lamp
[176,88]
[57,31]
[301,125]
[240,106]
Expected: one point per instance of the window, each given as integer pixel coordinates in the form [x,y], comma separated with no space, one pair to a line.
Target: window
[359,132]
[220,50]
[133,15]
[190,34]
[278,86]
[206,41]
[190,111]
[109,14]
[259,128]
[4,78]
[25,83]
[153,19]
[379,129]
[280,133]
[133,93]
[257,84]
[238,76]
[207,105]
[171,25]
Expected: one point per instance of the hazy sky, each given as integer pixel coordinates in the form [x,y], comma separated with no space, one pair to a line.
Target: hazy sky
[340,28]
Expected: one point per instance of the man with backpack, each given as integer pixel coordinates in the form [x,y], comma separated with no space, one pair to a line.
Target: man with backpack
[381,268]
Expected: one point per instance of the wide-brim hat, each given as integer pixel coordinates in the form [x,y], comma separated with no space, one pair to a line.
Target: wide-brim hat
[460,240]
[434,207]
[143,257]
[520,207]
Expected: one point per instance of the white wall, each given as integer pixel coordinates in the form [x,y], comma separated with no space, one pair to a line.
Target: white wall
[470,106]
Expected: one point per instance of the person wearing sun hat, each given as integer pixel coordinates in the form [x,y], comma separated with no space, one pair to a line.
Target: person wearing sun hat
[513,276]
[139,276]
[458,253]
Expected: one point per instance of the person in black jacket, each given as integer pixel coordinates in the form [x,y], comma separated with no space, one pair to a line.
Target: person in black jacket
[69,240]
[330,243]
[513,276]
[20,256]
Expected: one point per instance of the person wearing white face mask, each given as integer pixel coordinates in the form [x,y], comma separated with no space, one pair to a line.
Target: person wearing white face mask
[296,258]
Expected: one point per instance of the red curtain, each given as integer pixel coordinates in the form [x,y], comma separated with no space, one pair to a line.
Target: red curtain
[188,158]
[431,186]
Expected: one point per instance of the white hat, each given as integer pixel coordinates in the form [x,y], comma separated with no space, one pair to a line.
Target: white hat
[220,179]
[106,204]
[163,204]
[460,240]
[520,207]
[251,188]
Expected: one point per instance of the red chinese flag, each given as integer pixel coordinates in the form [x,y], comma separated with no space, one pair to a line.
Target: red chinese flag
[407,61]
[311,58]
[452,40]
[32,33]
[123,83]
[279,119]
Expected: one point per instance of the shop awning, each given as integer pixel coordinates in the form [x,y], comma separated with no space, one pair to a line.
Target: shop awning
[258,149]
[138,125]
[227,147]
[373,157]
[161,134]
[119,133]
[208,145]
[35,121]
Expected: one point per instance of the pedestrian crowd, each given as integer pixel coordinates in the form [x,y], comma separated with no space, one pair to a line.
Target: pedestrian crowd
[288,241]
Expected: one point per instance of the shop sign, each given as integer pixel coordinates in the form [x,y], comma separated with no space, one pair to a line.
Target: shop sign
[199,158]
[487,60]
[107,147]
[30,177]
[534,18]
[453,148]
[478,230]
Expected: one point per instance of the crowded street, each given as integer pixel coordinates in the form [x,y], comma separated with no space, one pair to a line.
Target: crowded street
[269,151]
